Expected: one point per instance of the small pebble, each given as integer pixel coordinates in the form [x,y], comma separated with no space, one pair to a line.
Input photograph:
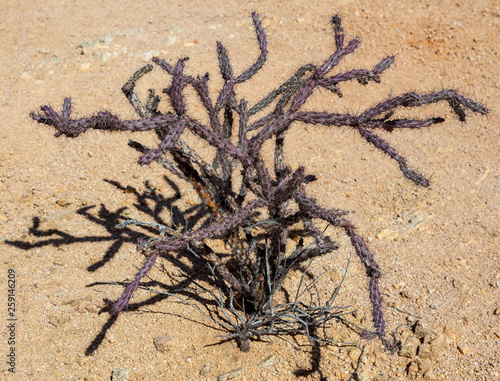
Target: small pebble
[120,374]
[438,344]
[412,369]
[63,202]
[206,370]
[426,331]
[495,283]
[268,362]
[162,343]
[409,347]
[107,38]
[424,366]
[354,354]
[407,294]
[434,305]
[463,349]
[230,375]
[417,221]
[424,351]
[430,376]
[86,46]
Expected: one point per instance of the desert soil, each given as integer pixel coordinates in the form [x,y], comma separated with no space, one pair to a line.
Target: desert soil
[60,198]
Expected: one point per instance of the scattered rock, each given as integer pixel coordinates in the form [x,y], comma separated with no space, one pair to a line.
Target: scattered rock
[451,335]
[107,38]
[463,349]
[409,347]
[59,320]
[25,77]
[417,369]
[458,284]
[495,283]
[268,362]
[230,375]
[418,221]
[424,366]
[57,218]
[83,67]
[438,344]
[170,40]
[434,305]
[354,353]
[424,351]
[497,311]
[86,46]
[426,331]
[365,375]
[130,32]
[408,294]
[63,202]
[82,305]
[399,286]
[421,346]
[385,378]
[105,55]
[163,343]
[388,234]
[412,369]
[431,376]
[206,370]
[120,374]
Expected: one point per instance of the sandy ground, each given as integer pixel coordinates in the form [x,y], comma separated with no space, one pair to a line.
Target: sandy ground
[59,200]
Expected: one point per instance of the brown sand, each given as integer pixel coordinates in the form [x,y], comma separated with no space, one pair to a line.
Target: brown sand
[437,247]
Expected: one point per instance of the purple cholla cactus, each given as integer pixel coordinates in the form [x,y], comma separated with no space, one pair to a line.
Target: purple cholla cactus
[256,217]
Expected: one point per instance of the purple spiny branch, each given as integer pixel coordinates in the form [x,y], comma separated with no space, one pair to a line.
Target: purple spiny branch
[122,302]
[362,76]
[218,142]
[372,269]
[335,58]
[179,81]
[338,31]
[261,39]
[101,121]
[382,145]
[168,142]
[224,63]
[412,99]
